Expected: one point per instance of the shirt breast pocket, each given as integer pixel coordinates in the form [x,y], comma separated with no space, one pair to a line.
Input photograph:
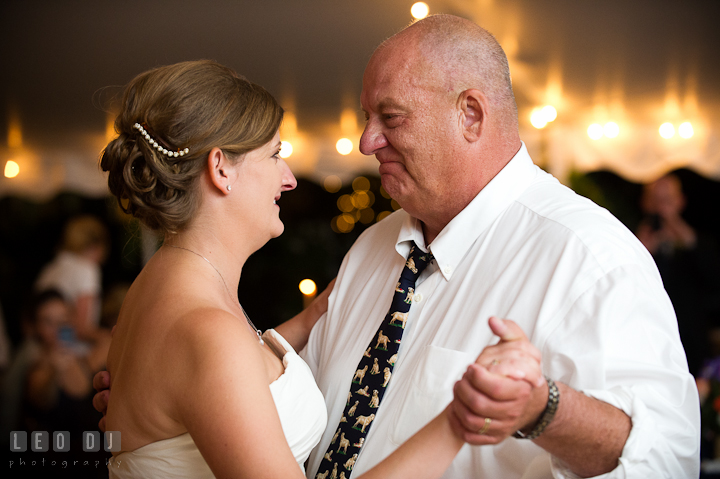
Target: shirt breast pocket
[430,389]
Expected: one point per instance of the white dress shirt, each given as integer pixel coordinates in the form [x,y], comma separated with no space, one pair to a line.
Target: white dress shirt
[581,286]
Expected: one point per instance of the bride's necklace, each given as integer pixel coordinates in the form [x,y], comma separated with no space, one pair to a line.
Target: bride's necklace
[250,323]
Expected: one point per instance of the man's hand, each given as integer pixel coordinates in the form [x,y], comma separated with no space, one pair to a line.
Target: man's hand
[101,383]
[503,391]
[513,356]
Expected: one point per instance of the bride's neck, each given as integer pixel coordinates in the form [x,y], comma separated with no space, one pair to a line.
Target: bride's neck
[224,254]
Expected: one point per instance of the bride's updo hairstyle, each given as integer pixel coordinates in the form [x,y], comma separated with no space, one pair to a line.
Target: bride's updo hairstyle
[187,109]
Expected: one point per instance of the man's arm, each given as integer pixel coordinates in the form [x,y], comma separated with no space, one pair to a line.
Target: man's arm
[616,355]
[297,329]
[586,434]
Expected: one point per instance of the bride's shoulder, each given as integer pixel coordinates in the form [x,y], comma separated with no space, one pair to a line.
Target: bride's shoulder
[207,333]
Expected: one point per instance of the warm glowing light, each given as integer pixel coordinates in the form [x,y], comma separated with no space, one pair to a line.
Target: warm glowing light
[307,287]
[11,169]
[362,199]
[667,130]
[420,10]
[384,193]
[348,121]
[685,130]
[110,133]
[361,184]
[383,214]
[395,205]
[289,125]
[595,131]
[332,184]
[549,112]
[611,129]
[537,118]
[345,203]
[344,146]
[541,116]
[343,223]
[15,137]
[286,149]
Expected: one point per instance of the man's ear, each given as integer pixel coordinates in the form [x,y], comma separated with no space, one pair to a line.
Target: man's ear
[220,170]
[473,106]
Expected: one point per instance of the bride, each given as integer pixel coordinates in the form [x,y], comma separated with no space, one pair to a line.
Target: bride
[197,391]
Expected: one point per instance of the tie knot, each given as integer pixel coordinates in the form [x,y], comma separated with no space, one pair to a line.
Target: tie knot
[417,261]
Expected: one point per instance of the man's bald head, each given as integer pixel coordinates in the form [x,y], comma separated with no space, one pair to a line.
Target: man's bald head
[441,116]
[458,55]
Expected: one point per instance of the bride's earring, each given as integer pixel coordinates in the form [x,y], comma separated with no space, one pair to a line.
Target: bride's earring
[229,187]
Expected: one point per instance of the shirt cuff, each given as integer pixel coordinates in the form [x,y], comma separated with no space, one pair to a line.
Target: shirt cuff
[636,458]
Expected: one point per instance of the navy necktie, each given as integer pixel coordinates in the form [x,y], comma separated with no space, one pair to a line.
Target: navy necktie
[372,376]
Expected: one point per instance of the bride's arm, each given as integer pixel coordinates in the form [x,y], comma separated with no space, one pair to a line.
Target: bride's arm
[297,329]
[223,399]
[425,455]
[221,396]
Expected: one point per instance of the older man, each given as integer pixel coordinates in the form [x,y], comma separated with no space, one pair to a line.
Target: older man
[506,240]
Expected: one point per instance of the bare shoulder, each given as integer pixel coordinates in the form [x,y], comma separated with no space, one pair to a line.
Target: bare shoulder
[205,336]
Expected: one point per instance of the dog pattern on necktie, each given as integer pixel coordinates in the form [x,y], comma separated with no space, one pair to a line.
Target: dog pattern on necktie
[359,413]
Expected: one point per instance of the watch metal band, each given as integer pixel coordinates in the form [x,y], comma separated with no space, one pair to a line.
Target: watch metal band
[547,415]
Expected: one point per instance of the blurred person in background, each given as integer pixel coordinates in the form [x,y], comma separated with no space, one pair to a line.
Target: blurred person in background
[75,272]
[48,383]
[687,260]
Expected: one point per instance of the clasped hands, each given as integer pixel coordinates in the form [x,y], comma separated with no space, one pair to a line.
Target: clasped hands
[503,391]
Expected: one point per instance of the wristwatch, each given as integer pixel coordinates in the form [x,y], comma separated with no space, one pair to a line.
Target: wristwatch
[548,414]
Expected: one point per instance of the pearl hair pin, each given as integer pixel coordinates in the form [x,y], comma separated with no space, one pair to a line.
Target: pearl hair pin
[157,145]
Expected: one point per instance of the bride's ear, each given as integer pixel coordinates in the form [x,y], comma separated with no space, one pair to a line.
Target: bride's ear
[220,170]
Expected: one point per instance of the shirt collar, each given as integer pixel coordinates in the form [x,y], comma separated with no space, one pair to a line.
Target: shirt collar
[453,242]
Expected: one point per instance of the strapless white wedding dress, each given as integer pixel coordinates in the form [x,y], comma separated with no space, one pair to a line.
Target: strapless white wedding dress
[299,403]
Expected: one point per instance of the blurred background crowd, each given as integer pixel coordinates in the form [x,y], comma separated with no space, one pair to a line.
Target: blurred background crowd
[619,100]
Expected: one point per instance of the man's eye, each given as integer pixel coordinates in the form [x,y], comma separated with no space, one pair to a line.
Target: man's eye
[392,120]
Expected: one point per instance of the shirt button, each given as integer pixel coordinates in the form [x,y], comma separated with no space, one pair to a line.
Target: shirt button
[418,297]
[447,270]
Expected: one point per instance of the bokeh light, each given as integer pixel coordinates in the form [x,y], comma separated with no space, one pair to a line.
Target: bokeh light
[286,149]
[611,129]
[307,287]
[595,131]
[383,214]
[343,223]
[537,118]
[345,203]
[685,130]
[667,130]
[332,184]
[362,199]
[549,112]
[361,184]
[419,10]
[541,116]
[12,169]
[344,146]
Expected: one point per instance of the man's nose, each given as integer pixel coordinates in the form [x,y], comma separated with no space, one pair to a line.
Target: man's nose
[372,139]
